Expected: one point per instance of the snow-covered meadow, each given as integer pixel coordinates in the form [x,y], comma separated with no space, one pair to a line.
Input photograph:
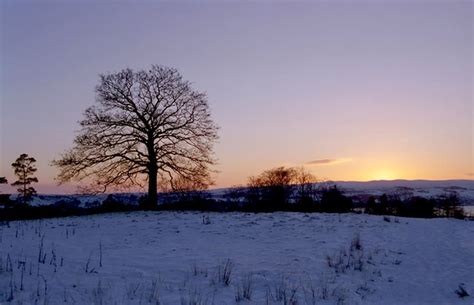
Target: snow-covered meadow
[193,258]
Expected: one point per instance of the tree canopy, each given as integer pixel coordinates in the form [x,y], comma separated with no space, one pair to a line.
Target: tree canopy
[24,168]
[144,125]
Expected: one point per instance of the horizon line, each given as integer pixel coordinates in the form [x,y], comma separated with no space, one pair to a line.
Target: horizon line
[243,186]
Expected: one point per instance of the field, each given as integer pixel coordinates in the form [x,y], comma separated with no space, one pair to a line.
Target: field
[230,258]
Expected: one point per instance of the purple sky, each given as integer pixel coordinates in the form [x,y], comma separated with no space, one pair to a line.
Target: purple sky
[351,90]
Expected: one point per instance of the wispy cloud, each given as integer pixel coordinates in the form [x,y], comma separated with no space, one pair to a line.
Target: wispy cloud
[321,162]
[470,174]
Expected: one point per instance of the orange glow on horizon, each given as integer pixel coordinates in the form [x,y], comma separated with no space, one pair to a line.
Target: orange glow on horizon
[383,174]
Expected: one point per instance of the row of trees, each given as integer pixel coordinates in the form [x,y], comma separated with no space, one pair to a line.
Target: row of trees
[24,168]
[446,205]
[295,189]
[278,189]
[284,188]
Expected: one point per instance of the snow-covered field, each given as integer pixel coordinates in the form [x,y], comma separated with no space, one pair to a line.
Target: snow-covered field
[408,188]
[210,258]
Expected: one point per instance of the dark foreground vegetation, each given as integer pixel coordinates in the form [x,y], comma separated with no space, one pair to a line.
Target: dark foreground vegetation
[290,198]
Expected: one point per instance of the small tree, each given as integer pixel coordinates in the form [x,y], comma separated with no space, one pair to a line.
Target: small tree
[24,169]
[334,201]
[273,188]
[188,190]
[450,205]
[306,187]
[371,206]
[417,207]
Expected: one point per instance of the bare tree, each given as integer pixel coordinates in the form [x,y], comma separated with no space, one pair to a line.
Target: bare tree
[306,182]
[272,188]
[24,169]
[144,125]
[278,187]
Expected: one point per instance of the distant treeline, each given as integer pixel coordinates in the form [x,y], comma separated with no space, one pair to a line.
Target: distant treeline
[279,189]
[322,199]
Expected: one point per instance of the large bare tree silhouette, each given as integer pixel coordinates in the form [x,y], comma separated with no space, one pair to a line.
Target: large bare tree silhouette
[144,125]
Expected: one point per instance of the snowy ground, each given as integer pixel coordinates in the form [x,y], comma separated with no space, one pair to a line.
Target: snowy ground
[280,258]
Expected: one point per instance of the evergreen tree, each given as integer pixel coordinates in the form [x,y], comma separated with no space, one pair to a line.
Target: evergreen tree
[24,169]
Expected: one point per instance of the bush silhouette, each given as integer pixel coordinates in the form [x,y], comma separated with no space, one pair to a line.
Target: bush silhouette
[449,205]
[272,189]
[334,201]
[417,207]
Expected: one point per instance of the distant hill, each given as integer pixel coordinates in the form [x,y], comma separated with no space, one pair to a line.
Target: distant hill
[416,184]
[423,188]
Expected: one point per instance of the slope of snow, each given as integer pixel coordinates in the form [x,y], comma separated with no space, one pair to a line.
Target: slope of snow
[175,258]
[422,188]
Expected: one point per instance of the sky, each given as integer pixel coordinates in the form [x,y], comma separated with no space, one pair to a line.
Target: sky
[350,90]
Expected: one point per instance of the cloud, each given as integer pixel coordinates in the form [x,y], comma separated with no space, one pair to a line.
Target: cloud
[470,174]
[320,162]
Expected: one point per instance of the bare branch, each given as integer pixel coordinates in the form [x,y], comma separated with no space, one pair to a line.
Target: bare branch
[143,124]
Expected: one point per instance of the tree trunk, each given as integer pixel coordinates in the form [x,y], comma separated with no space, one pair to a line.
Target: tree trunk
[24,186]
[152,201]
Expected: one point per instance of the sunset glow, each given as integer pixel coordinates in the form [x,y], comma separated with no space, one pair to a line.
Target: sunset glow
[363,91]
[383,174]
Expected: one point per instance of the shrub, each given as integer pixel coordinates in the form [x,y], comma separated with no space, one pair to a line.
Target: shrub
[224,272]
[334,201]
[348,259]
[5,200]
[244,289]
[67,205]
[417,207]
[449,205]
[271,190]
[371,206]
[461,292]
[113,203]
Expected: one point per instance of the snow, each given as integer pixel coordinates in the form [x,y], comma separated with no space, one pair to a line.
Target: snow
[174,258]
[83,200]
[422,188]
